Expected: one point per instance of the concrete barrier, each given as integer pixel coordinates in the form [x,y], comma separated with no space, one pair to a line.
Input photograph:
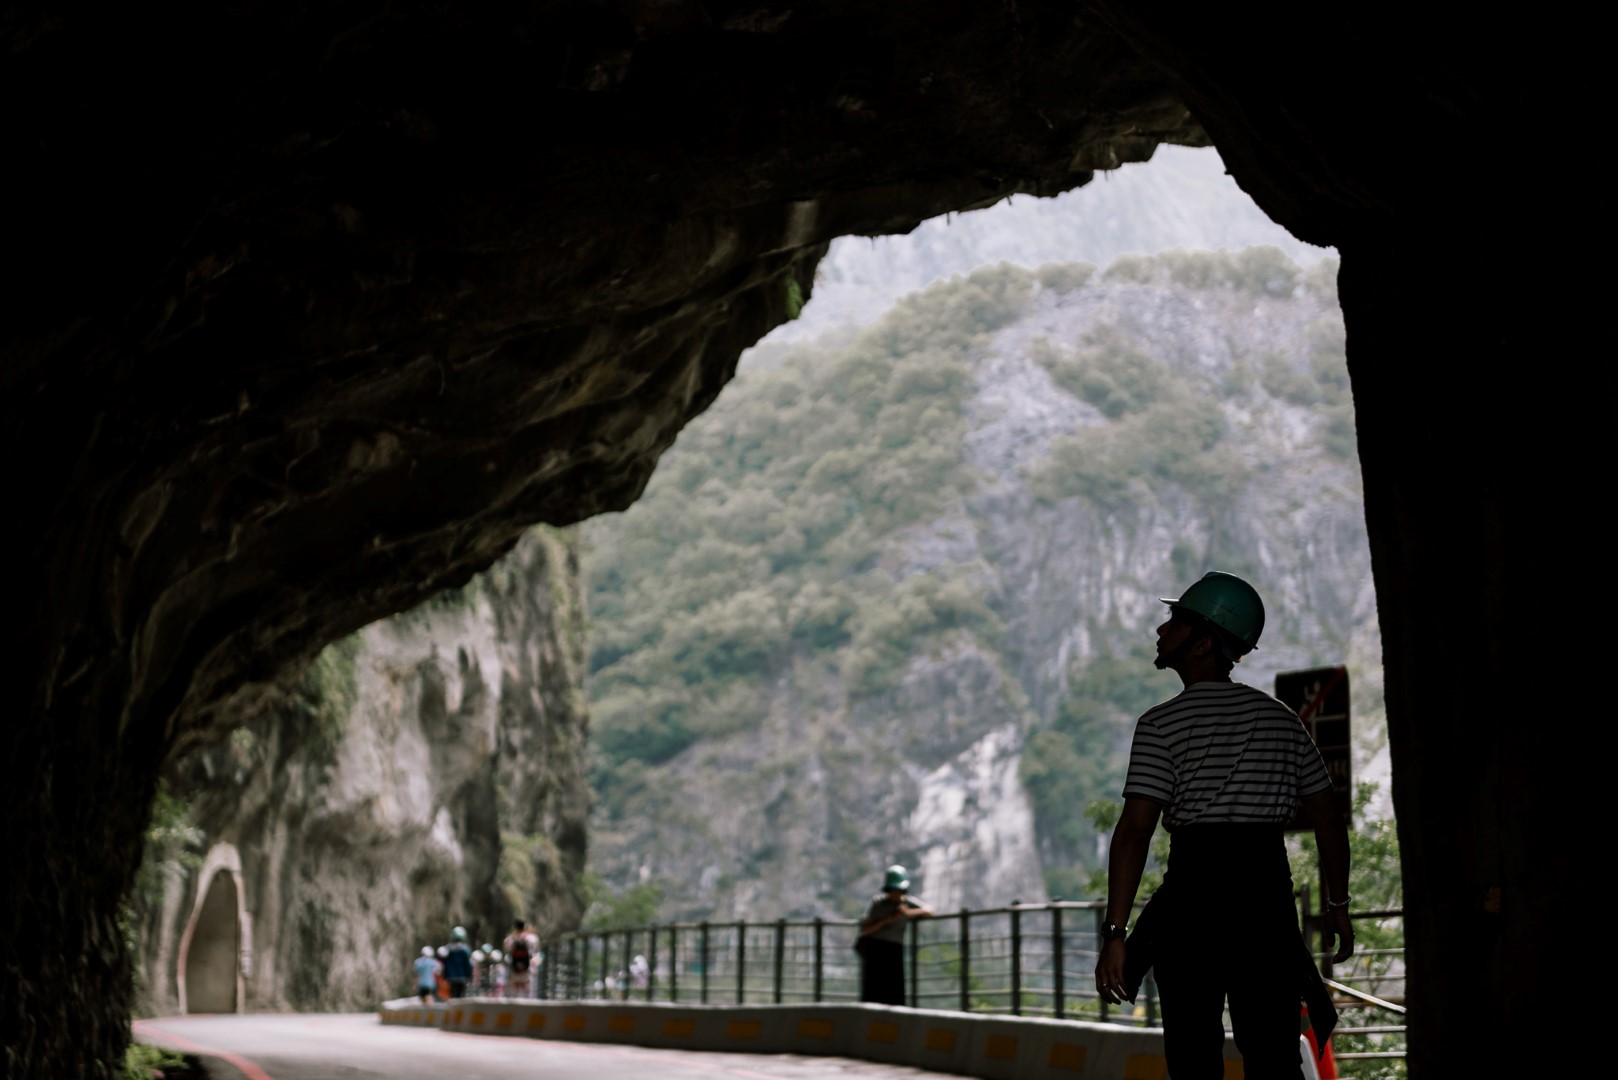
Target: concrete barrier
[994,1047]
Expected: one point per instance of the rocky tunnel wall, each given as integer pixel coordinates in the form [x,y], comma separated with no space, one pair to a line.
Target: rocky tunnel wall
[316,309]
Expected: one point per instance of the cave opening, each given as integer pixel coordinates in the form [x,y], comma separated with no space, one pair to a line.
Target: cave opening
[1182,205]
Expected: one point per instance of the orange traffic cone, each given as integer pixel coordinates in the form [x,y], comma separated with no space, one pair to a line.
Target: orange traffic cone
[1324,1062]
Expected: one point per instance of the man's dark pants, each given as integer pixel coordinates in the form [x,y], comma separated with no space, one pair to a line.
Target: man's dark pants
[1230,932]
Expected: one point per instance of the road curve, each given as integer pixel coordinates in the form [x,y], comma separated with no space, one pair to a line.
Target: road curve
[358,1047]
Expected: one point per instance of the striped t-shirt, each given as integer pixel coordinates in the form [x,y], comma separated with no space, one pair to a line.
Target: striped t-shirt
[1224,753]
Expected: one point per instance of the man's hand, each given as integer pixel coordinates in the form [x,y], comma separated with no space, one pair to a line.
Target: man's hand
[1110,973]
[1339,926]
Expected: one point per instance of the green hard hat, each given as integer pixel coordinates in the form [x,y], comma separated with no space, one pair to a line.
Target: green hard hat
[459,933]
[895,878]
[1228,602]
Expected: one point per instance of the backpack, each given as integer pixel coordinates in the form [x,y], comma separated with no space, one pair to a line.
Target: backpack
[519,955]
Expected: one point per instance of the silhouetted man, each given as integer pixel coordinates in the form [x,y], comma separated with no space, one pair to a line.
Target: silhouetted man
[1225,766]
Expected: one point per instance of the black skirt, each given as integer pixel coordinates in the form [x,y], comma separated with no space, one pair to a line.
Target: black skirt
[882,971]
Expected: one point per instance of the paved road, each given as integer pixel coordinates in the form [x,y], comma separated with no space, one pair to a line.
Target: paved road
[279,1047]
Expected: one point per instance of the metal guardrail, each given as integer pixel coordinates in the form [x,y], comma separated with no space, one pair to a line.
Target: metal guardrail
[1368,991]
[1023,959]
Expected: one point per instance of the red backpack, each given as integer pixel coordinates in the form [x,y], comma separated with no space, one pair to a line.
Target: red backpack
[519,955]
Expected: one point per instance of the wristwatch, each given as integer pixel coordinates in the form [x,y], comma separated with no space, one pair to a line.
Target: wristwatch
[1113,932]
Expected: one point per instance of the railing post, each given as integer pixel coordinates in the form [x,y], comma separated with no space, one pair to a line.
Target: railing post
[1101,918]
[1057,987]
[820,955]
[704,961]
[542,972]
[1151,999]
[674,962]
[780,955]
[606,963]
[1016,959]
[741,962]
[966,960]
[651,962]
[914,937]
[629,948]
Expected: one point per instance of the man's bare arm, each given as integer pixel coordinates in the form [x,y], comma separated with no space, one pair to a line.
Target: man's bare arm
[1126,862]
[1331,840]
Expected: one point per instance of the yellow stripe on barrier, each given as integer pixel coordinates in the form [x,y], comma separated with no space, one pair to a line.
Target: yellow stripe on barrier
[536,1021]
[502,1020]
[744,1029]
[1146,1067]
[477,1018]
[882,1031]
[1068,1057]
[624,1025]
[681,1029]
[816,1029]
[574,1022]
[1000,1047]
[941,1039]
[458,1014]
[1234,1070]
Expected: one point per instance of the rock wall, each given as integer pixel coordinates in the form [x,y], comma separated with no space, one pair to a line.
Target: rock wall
[428,772]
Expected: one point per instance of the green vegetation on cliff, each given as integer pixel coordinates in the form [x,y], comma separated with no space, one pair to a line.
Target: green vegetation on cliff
[839,548]
[760,533]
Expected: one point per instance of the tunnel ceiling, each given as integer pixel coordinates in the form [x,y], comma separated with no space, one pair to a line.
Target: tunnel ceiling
[322,310]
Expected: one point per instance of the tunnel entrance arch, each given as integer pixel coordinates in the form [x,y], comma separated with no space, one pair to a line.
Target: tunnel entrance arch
[214,948]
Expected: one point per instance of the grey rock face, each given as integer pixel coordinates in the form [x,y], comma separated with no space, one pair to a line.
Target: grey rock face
[1071,545]
[428,773]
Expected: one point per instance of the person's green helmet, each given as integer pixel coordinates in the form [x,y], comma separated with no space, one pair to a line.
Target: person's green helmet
[1229,603]
[458,934]
[895,878]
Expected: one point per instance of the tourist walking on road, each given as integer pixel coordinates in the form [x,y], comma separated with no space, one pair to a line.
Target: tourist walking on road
[427,968]
[522,953]
[458,963]
[1226,767]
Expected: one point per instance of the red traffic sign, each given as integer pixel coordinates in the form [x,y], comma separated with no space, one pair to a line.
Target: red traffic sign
[1320,698]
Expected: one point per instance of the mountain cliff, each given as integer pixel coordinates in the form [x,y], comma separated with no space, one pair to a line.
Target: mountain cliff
[428,772]
[893,597]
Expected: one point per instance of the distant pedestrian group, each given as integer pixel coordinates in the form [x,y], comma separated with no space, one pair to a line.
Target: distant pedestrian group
[457,970]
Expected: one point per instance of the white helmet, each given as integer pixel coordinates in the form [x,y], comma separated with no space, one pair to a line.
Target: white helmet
[494,955]
[477,956]
[426,950]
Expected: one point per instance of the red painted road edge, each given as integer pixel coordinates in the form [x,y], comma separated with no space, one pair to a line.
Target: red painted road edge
[251,1070]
